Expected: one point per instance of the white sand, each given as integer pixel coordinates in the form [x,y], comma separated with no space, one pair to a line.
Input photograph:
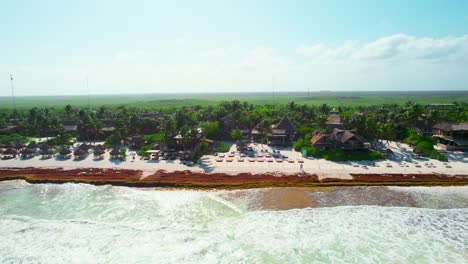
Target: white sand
[208,163]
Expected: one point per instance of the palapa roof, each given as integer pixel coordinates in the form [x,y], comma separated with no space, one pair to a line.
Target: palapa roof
[65,151]
[115,152]
[84,147]
[334,119]
[284,126]
[20,145]
[100,146]
[28,151]
[47,152]
[316,138]
[10,151]
[451,126]
[344,135]
[98,152]
[70,125]
[79,152]
[45,147]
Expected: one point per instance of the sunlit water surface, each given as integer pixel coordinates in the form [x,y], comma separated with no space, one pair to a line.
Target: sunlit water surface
[77,223]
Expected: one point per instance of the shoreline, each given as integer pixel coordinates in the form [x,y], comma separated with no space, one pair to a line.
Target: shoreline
[200,180]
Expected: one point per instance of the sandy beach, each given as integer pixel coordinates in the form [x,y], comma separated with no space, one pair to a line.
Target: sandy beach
[401,163]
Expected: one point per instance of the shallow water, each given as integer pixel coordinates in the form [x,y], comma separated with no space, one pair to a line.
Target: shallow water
[77,223]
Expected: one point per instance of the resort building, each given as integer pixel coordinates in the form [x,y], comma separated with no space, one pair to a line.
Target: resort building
[71,126]
[334,120]
[283,132]
[423,126]
[452,136]
[338,139]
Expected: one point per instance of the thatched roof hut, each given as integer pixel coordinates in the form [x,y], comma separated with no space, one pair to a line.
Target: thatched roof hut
[65,152]
[98,152]
[20,146]
[10,151]
[2,145]
[101,147]
[28,151]
[115,153]
[84,147]
[45,147]
[47,153]
[79,153]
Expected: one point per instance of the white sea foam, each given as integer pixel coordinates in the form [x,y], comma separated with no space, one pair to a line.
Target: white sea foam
[77,223]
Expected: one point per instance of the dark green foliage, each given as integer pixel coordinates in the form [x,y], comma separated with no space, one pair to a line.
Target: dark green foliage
[154,138]
[123,154]
[142,151]
[13,139]
[341,155]
[210,130]
[425,147]
[299,144]
[221,148]
[303,131]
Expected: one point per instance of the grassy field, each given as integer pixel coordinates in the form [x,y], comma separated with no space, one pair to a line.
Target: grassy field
[154,101]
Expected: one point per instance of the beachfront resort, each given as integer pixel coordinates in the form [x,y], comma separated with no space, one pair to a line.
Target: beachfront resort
[334,146]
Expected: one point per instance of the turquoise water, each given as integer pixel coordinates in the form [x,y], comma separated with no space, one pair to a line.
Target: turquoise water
[77,223]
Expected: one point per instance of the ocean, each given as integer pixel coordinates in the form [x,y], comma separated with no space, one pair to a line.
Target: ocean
[79,223]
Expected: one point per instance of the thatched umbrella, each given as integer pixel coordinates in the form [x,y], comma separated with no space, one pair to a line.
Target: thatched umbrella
[27,152]
[47,153]
[65,152]
[115,153]
[45,147]
[98,153]
[79,153]
[32,145]
[20,146]
[101,147]
[10,152]
[84,147]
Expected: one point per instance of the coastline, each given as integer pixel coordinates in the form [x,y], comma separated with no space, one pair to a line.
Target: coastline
[200,180]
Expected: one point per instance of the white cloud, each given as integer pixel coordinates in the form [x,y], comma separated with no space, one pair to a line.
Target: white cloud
[395,62]
[395,47]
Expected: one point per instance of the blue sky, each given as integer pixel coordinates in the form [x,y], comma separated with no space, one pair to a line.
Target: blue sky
[210,46]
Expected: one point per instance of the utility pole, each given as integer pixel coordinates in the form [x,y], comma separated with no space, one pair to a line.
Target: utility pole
[87,87]
[13,100]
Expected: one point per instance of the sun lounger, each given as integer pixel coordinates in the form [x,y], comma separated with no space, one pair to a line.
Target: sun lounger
[290,160]
[300,161]
[270,160]
[448,166]
[279,160]
[240,160]
[260,160]
[229,160]
[219,160]
[251,160]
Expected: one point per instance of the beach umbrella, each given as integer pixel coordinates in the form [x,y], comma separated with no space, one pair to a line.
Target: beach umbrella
[20,146]
[98,152]
[45,147]
[101,147]
[47,152]
[27,151]
[79,152]
[10,151]
[65,151]
[32,145]
[115,152]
